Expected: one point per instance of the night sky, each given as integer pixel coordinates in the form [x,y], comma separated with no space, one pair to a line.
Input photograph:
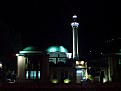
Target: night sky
[43,23]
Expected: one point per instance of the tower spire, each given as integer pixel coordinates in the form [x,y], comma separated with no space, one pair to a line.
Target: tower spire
[74,26]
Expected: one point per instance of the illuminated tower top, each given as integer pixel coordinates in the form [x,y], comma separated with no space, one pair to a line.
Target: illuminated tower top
[74,24]
[74,17]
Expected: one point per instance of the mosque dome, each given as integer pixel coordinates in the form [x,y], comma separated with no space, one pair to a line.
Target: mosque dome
[29,48]
[57,49]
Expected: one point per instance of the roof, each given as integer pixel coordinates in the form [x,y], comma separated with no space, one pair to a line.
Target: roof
[30,48]
[56,49]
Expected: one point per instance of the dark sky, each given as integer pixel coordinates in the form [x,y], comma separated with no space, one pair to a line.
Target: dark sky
[47,22]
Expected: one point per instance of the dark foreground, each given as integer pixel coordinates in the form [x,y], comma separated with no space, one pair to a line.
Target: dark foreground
[59,87]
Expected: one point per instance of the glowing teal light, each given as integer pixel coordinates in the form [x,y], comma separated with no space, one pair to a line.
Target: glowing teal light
[27,74]
[38,74]
[57,49]
[62,49]
[29,48]
[33,74]
[52,49]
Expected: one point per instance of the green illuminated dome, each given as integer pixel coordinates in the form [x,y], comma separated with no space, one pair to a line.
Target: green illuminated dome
[30,48]
[57,49]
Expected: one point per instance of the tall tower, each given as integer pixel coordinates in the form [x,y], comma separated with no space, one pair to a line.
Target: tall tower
[75,25]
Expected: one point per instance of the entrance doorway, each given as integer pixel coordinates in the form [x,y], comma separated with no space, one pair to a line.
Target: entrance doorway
[80,75]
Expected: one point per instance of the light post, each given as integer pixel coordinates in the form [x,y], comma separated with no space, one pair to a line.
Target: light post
[0,65]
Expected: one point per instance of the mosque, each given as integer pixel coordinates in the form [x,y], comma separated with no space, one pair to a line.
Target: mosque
[57,65]
[54,65]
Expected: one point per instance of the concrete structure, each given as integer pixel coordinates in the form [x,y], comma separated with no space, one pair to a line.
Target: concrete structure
[75,25]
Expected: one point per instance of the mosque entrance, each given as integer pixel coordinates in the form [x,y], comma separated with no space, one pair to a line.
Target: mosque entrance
[80,75]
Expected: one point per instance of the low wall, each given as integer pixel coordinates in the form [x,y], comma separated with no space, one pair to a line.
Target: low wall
[59,87]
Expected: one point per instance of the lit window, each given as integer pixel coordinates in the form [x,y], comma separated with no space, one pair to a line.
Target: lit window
[32,74]
[79,62]
[79,71]
[27,74]
[82,62]
[52,60]
[38,74]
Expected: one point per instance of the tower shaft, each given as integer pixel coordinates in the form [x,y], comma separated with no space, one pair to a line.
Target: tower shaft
[75,43]
[75,38]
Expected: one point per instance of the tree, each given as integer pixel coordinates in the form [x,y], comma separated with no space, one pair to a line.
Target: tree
[3,73]
[94,71]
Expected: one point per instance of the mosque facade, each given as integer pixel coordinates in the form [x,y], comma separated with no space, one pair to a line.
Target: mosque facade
[54,66]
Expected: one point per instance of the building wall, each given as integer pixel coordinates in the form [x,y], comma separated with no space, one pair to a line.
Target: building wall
[114,68]
[21,67]
[45,68]
[105,70]
[61,73]
[33,67]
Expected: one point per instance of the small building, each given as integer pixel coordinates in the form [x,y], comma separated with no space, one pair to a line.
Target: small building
[32,65]
[110,67]
[98,69]
[114,66]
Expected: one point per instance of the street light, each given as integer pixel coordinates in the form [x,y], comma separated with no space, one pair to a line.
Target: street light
[0,65]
